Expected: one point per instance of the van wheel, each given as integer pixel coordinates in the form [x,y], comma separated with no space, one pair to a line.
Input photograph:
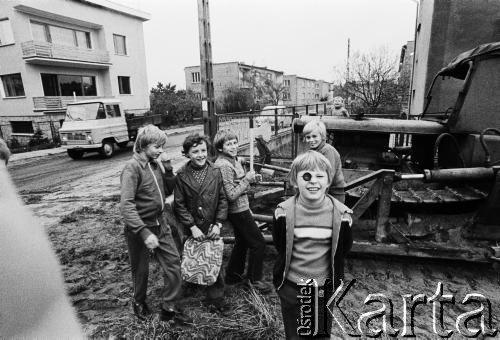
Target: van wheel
[75,154]
[107,149]
[122,145]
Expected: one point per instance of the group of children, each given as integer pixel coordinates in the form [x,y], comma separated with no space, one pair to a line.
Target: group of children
[308,232]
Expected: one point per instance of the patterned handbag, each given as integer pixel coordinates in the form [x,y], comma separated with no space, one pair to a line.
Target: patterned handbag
[201,261]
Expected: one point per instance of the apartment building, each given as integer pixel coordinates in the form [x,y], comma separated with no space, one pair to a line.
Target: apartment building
[301,91]
[230,74]
[55,51]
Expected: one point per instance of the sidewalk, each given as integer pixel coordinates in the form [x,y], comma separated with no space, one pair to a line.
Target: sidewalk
[41,153]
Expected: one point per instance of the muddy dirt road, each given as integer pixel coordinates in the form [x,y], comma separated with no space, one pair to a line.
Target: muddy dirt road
[47,174]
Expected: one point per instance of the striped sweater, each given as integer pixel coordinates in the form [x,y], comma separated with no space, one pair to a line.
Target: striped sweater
[311,254]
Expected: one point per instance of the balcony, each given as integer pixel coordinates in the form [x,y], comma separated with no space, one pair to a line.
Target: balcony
[45,53]
[57,102]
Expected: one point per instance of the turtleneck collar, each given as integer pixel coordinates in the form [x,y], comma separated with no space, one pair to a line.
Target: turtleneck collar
[229,158]
[320,146]
[196,167]
[311,205]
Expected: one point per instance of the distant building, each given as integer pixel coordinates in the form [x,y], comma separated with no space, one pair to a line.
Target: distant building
[228,75]
[55,51]
[302,91]
[444,30]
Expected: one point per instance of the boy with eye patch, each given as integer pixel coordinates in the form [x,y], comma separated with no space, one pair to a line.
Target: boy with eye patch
[312,235]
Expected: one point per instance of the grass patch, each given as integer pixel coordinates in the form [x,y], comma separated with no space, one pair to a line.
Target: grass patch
[75,215]
[253,316]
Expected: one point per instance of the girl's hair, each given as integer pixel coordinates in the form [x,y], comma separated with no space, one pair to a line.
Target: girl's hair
[221,137]
[147,135]
[194,139]
[313,126]
[310,161]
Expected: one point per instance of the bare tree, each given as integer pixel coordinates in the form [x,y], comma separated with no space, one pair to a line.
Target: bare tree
[372,80]
[274,90]
[264,90]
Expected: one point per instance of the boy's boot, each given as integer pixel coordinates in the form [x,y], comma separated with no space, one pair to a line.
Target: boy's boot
[141,310]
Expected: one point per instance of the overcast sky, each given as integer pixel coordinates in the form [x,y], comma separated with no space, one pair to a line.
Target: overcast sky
[303,37]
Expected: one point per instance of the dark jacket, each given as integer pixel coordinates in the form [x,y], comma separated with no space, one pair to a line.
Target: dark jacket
[142,195]
[199,205]
[283,234]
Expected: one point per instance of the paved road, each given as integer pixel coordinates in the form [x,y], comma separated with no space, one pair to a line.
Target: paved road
[46,174]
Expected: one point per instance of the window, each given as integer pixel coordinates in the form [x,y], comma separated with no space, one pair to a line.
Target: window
[22,126]
[286,82]
[6,36]
[68,85]
[60,35]
[113,110]
[82,39]
[40,32]
[120,44]
[13,85]
[124,85]
[269,76]
[195,76]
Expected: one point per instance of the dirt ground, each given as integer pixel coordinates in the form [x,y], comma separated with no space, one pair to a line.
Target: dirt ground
[83,222]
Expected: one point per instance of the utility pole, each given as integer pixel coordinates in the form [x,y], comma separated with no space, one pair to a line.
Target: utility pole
[348,57]
[206,70]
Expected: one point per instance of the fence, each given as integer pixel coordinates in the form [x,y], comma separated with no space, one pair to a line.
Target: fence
[277,122]
[268,123]
[43,134]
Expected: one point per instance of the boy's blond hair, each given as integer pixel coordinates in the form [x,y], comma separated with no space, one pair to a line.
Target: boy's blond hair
[315,125]
[310,161]
[147,135]
[221,137]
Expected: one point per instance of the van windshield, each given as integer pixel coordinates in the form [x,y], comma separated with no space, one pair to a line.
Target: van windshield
[89,111]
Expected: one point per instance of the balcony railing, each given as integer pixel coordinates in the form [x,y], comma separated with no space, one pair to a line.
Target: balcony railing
[57,102]
[42,49]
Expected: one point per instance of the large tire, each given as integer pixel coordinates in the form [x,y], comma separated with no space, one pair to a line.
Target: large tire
[75,154]
[123,145]
[107,149]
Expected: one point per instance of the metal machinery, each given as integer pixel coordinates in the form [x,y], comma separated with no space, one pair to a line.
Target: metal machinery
[429,186]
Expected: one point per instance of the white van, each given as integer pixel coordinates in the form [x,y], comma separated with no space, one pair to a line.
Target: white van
[97,125]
